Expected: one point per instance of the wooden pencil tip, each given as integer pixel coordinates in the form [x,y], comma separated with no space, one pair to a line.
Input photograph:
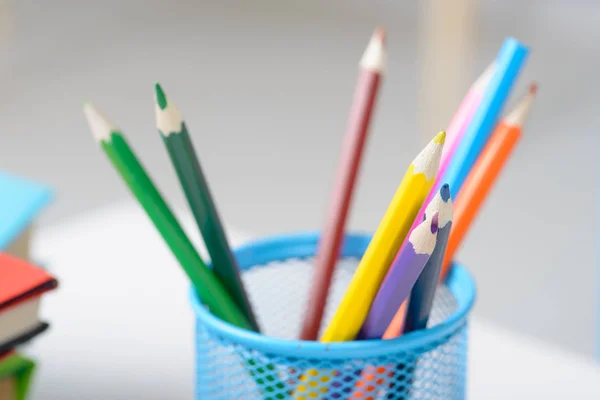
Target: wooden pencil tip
[375,56]
[100,126]
[518,115]
[161,99]
[485,78]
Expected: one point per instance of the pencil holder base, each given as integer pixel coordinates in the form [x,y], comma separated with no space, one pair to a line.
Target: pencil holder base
[235,364]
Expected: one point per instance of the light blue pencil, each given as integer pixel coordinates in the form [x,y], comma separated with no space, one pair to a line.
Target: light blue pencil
[509,63]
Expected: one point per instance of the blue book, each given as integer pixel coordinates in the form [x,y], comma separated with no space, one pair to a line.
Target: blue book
[21,202]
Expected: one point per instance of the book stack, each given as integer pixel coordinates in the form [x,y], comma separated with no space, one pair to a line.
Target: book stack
[22,284]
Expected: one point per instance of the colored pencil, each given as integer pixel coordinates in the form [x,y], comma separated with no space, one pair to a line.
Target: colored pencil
[398,324]
[396,327]
[386,241]
[209,289]
[456,131]
[403,275]
[459,124]
[420,299]
[365,282]
[485,173]
[380,319]
[372,68]
[423,293]
[507,67]
[496,83]
[176,138]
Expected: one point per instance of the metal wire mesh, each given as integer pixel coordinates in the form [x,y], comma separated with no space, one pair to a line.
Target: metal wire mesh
[278,290]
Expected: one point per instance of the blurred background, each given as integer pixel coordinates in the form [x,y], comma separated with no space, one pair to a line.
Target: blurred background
[266,86]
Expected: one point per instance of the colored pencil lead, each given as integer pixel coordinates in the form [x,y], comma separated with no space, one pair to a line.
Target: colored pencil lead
[168,117]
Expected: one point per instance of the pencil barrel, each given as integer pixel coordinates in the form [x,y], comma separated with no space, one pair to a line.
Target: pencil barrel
[232,363]
[207,218]
[341,200]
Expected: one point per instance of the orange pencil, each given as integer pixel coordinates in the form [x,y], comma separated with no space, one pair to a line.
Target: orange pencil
[396,327]
[484,174]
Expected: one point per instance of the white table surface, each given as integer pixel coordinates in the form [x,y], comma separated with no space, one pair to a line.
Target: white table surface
[122,327]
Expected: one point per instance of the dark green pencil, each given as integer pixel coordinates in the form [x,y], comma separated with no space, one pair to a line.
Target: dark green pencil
[181,151]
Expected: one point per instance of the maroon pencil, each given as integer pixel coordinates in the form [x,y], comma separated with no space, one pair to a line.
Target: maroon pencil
[372,68]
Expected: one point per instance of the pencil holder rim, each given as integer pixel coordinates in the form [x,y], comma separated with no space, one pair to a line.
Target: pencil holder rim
[304,244]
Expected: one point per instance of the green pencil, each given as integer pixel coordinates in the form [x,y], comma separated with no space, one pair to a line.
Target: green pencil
[175,135]
[20,369]
[209,288]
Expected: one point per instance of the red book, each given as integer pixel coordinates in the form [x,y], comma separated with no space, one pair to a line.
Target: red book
[21,287]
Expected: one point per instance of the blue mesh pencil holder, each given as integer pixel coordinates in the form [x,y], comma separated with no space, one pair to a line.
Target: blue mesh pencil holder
[235,364]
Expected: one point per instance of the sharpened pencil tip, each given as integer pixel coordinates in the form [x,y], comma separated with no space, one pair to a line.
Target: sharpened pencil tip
[484,79]
[168,117]
[518,115]
[440,204]
[428,160]
[440,138]
[100,126]
[445,192]
[161,99]
[375,56]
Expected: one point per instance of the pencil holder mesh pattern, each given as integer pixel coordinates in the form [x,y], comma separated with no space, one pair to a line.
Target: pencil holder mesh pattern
[236,364]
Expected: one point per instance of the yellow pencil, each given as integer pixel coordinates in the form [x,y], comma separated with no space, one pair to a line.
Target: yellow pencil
[388,238]
[384,245]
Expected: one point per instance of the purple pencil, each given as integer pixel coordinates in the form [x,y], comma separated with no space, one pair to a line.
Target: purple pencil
[401,278]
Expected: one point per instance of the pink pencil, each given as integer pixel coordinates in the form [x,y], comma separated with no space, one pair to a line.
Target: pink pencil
[463,115]
[454,134]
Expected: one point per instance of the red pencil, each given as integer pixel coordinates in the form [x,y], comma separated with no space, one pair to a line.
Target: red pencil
[372,68]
